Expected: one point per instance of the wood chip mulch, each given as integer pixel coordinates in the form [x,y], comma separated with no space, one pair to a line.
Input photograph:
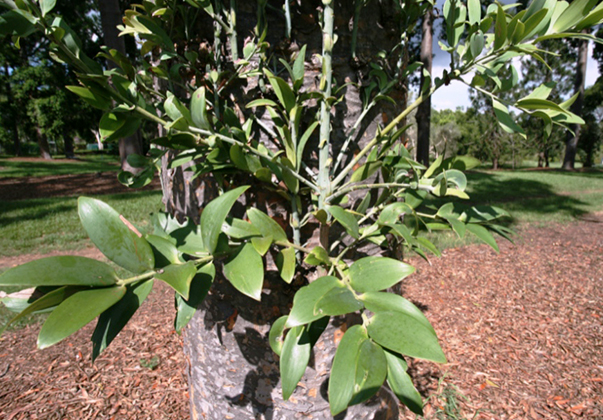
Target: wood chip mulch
[522,330]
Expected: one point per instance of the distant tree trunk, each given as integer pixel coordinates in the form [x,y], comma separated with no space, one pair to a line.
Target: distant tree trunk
[494,163]
[571,143]
[68,143]
[423,116]
[43,144]
[111,17]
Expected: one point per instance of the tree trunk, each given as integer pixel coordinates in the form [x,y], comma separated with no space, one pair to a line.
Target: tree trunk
[110,18]
[423,116]
[233,373]
[43,144]
[571,143]
[68,144]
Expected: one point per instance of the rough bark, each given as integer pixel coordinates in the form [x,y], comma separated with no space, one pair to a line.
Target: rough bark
[423,116]
[111,17]
[43,144]
[232,371]
[571,144]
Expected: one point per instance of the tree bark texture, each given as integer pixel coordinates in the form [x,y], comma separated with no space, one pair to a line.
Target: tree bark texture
[233,372]
[423,116]
[571,144]
[43,145]
[111,15]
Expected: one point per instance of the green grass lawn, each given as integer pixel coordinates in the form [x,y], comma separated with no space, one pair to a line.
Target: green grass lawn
[49,224]
[58,166]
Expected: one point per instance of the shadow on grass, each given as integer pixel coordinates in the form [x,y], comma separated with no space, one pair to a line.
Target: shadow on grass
[18,168]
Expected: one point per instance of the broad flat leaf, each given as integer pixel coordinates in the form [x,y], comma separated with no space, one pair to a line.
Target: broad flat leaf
[275,337]
[178,276]
[214,215]
[318,256]
[114,236]
[371,274]
[346,219]
[482,233]
[573,14]
[261,245]
[475,11]
[283,91]
[97,101]
[392,212]
[239,229]
[427,244]
[388,302]
[343,371]
[458,226]
[267,226]
[294,359]
[401,384]
[188,239]
[504,118]
[337,301]
[371,370]
[49,300]
[306,298]
[164,250]
[261,102]
[245,270]
[114,319]
[402,333]
[285,262]
[60,271]
[199,110]
[77,311]
[114,126]
[365,171]
[500,29]
[200,285]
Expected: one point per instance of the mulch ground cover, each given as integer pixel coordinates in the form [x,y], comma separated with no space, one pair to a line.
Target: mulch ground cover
[522,330]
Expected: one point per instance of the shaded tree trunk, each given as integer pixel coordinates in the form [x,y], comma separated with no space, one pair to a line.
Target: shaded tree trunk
[571,144]
[68,144]
[111,17]
[232,371]
[43,144]
[423,116]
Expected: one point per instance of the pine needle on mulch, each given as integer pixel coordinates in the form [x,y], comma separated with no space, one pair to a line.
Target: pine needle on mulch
[522,330]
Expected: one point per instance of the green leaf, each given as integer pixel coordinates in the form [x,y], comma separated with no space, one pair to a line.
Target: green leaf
[261,102]
[114,319]
[267,226]
[402,333]
[337,301]
[483,234]
[298,65]
[476,43]
[114,126]
[60,271]
[504,118]
[475,11]
[199,109]
[365,171]
[275,337]
[389,302]
[283,91]
[49,300]
[401,384]
[179,277]
[371,370]
[96,100]
[318,256]
[427,244]
[307,297]
[500,28]
[303,141]
[46,6]
[572,15]
[245,270]
[346,219]
[285,262]
[200,285]
[371,274]
[114,236]
[261,245]
[164,250]
[294,359]
[343,371]
[458,226]
[77,311]
[239,229]
[214,215]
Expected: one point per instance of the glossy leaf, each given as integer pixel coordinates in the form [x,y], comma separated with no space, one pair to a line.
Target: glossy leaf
[371,370]
[60,271]
[294,359]
[306,298]
[179,277]
[214,215]
[164,251]
[475,11]
[267,226]
[371,274]
[365,171]
[239,229]
[275,337]
[343,372]
[318,256]
[283,91]
[114,236]
[483,234]
[285,262]
[114,319]
[199,113]
[402,333]
[337,301]
[500,29]
[77,311]
[245,270]
[346,219]
[94,99]
[199,288]
[401,384]
[389,302]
